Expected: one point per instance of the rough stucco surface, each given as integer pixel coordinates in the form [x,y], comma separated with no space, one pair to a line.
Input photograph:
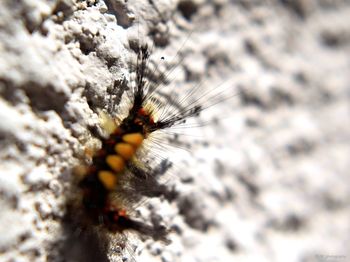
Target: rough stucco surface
[266,177]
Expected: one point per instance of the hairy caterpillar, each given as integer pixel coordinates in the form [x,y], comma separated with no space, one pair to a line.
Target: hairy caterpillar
[118,179]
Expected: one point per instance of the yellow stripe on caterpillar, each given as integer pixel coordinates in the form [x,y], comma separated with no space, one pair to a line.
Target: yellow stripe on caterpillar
[134,139]
[108,179]
[115,162]
[125,150]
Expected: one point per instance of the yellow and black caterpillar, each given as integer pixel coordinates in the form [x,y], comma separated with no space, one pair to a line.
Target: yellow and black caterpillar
[116,181]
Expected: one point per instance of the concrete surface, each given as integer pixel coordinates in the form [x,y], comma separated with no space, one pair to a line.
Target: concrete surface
[265,176]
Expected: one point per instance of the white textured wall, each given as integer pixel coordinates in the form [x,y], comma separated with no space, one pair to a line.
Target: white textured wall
[272,181]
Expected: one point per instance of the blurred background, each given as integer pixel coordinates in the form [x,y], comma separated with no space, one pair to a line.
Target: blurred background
[265,174]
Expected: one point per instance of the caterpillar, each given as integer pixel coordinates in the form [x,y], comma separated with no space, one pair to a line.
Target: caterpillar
[106,177]
[118,179]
